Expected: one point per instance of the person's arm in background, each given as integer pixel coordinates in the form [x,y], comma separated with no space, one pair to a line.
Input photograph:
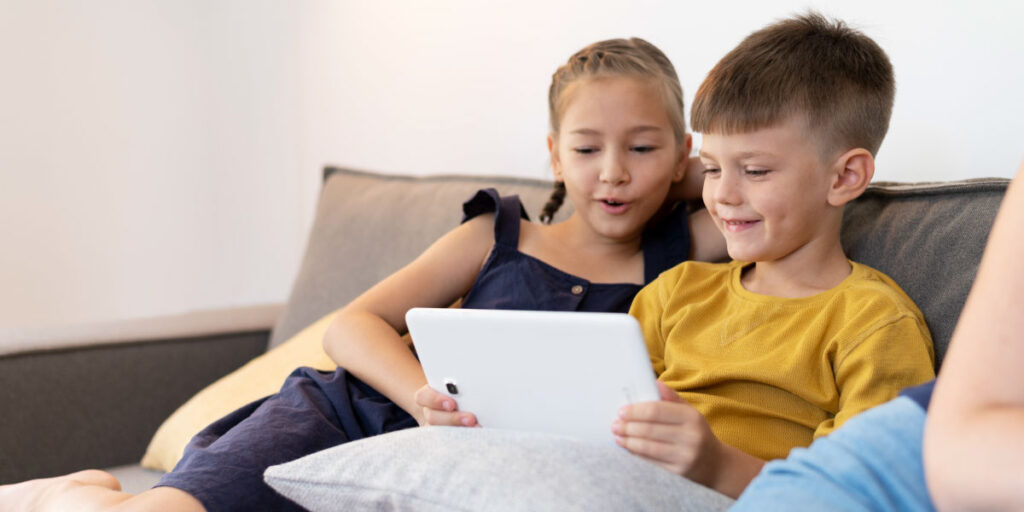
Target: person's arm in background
[974,434]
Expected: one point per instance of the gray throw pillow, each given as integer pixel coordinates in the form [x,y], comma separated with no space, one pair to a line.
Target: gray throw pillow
[449,468]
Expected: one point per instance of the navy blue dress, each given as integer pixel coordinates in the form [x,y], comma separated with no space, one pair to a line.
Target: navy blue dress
[223,465]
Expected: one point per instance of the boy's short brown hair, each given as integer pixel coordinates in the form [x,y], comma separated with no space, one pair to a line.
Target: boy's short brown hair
[839,79]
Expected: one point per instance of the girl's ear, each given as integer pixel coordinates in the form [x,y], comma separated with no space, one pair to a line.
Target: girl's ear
[684,159]
[853,172]
[556,164]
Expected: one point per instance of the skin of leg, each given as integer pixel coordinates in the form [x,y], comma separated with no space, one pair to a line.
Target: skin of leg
[91,490]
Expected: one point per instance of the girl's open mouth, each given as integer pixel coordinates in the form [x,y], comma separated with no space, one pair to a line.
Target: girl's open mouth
[613,206]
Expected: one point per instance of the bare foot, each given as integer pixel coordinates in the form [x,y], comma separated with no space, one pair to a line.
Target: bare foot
[56,493]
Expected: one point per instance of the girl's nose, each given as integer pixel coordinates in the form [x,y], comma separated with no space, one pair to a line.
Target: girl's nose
[613,170]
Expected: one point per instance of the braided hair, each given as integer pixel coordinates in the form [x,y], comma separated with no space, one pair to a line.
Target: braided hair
[554,203]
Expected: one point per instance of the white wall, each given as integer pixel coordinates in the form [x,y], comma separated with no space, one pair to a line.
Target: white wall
[149,157]
[163,156]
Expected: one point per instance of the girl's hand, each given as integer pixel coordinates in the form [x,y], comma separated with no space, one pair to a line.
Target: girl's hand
[671,434]
[438,409]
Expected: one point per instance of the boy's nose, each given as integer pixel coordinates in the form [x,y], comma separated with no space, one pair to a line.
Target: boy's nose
[613,170]
[725,189]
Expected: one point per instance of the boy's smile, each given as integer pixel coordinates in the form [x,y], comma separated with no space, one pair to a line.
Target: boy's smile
[767,191]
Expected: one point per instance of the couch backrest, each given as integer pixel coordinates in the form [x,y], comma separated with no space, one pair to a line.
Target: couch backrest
[928,237]
[369,225]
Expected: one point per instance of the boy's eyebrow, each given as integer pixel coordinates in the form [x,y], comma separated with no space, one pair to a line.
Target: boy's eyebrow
[635,129]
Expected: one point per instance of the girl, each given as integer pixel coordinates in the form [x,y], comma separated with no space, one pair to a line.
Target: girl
[618,146]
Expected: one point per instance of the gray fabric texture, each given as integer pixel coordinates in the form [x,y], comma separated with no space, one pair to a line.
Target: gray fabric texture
[929,239]
[98,406]
[448,468]
[367,226]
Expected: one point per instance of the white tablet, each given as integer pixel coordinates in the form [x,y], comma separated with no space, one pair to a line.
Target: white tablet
[558,372]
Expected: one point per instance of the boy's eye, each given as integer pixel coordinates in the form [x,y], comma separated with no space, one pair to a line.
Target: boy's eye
[711,170]
[585,150]
[643,149]
[757,172]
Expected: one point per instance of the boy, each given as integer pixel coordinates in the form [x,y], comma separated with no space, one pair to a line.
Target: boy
[968,437]
[792,339]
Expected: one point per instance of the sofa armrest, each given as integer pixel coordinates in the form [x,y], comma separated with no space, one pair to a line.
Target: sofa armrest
[92,396]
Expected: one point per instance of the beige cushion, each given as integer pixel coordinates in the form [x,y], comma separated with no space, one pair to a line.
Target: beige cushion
[260,377]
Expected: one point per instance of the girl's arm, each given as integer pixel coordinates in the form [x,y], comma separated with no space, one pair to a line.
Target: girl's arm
[365,336]
[974,434]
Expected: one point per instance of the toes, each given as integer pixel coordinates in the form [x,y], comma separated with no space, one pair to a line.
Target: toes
[95,477]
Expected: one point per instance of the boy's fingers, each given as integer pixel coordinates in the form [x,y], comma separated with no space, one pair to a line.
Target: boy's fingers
[662,432]
[655,451]
[668,394]
[658,412]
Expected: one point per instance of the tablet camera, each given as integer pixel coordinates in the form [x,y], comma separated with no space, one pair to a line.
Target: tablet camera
[451,387]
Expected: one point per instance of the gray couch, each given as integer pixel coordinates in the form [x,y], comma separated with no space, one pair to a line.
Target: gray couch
[93,396]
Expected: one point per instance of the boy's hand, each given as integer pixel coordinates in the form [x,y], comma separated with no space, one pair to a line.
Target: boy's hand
[439,409]
[671,434]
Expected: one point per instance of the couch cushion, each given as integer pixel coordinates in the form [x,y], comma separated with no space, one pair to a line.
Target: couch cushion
[451,468]
[929,238]
[368,225]
[258,378]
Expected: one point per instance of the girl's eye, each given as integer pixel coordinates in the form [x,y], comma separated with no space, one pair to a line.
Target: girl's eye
[643,149]
[585,150]
[757,172]
[711,171]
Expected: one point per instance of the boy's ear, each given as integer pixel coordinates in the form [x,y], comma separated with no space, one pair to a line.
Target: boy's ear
[853,172]
[556,164]
[684,159]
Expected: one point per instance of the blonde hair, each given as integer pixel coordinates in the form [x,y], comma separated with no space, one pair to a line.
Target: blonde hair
[634,58]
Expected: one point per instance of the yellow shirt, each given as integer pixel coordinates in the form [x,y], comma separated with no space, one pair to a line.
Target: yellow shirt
[772,373]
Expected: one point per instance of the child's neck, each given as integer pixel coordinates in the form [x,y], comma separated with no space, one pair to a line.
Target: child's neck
[808,271]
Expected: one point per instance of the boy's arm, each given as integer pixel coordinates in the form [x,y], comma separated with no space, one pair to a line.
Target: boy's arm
[647,308]
[974,434]
[672,434]
[894,356]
